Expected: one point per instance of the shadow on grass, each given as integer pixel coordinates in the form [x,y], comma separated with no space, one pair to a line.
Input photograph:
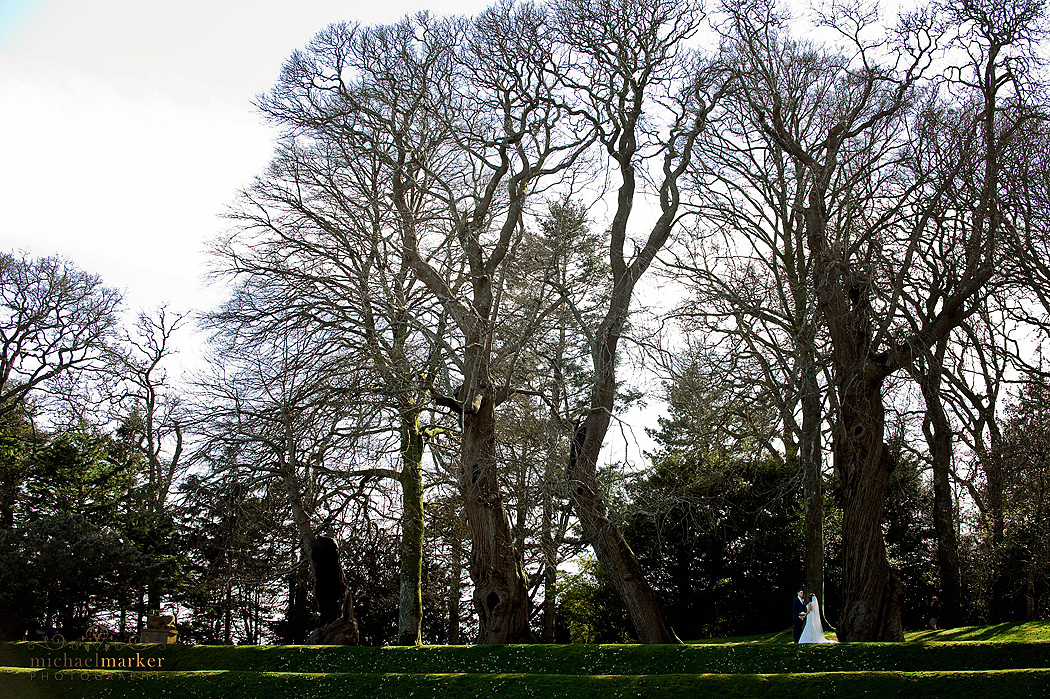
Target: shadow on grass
[1026,632]
[778,637]
[1010,631]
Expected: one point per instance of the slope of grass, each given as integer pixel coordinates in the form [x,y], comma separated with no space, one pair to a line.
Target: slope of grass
[1008,660]
[1024,632]
[730,658]
[234,684]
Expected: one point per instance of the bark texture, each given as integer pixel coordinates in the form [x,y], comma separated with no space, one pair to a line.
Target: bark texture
[334,601]
[939,438]
[812,480]
[872,592]
[610,548]
[500,596]
[410,607]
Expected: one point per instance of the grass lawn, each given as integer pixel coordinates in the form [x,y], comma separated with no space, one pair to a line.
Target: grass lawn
[1007,660]
[1014,631]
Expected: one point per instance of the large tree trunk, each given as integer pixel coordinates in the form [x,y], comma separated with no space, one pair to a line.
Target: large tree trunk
[334,601]
[871,592]
[938,436]
[500,594]
[812,479]
[999,604]
[550,561]
[618,560]
[410,608]
[455,570]
[614,555]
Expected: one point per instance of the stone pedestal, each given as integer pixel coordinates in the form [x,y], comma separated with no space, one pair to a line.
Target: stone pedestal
[160,628]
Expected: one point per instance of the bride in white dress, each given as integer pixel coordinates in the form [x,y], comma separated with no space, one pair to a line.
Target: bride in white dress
[814,632]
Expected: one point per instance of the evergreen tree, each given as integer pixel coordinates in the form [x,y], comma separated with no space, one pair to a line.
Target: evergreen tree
[717,521]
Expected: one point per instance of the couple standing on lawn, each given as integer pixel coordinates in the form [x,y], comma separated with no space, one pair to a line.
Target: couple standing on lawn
[808,616]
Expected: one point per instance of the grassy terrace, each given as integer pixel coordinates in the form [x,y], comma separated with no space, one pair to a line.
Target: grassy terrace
[1011,660]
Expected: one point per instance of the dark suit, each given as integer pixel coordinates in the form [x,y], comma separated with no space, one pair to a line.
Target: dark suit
[798,607]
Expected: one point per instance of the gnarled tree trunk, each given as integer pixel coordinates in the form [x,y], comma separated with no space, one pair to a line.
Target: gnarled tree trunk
[872,592]
[500,595]
[410,608]
[812,477]
[610,548]
[334,601]
[938,437]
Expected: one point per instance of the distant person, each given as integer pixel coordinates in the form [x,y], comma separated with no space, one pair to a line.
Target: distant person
[798,611]
[935,613]
[814,631]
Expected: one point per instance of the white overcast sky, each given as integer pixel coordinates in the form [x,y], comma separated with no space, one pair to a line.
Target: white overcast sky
[127,125]
[127,128]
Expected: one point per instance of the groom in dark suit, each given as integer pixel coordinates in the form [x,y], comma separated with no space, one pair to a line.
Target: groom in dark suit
[798,610]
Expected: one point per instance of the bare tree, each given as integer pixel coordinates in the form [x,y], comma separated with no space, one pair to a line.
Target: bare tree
[979,142]
[502,85]
[151,414]
[460,125]
[54,319]
[286,410]
[312,255]
[469,120]
[153,400]
[535,429]
[647,98]
[316,248]
[870,103]
[751,308]
[873,235]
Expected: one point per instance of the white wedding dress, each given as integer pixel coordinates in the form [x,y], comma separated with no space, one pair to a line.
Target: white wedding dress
[814,632]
